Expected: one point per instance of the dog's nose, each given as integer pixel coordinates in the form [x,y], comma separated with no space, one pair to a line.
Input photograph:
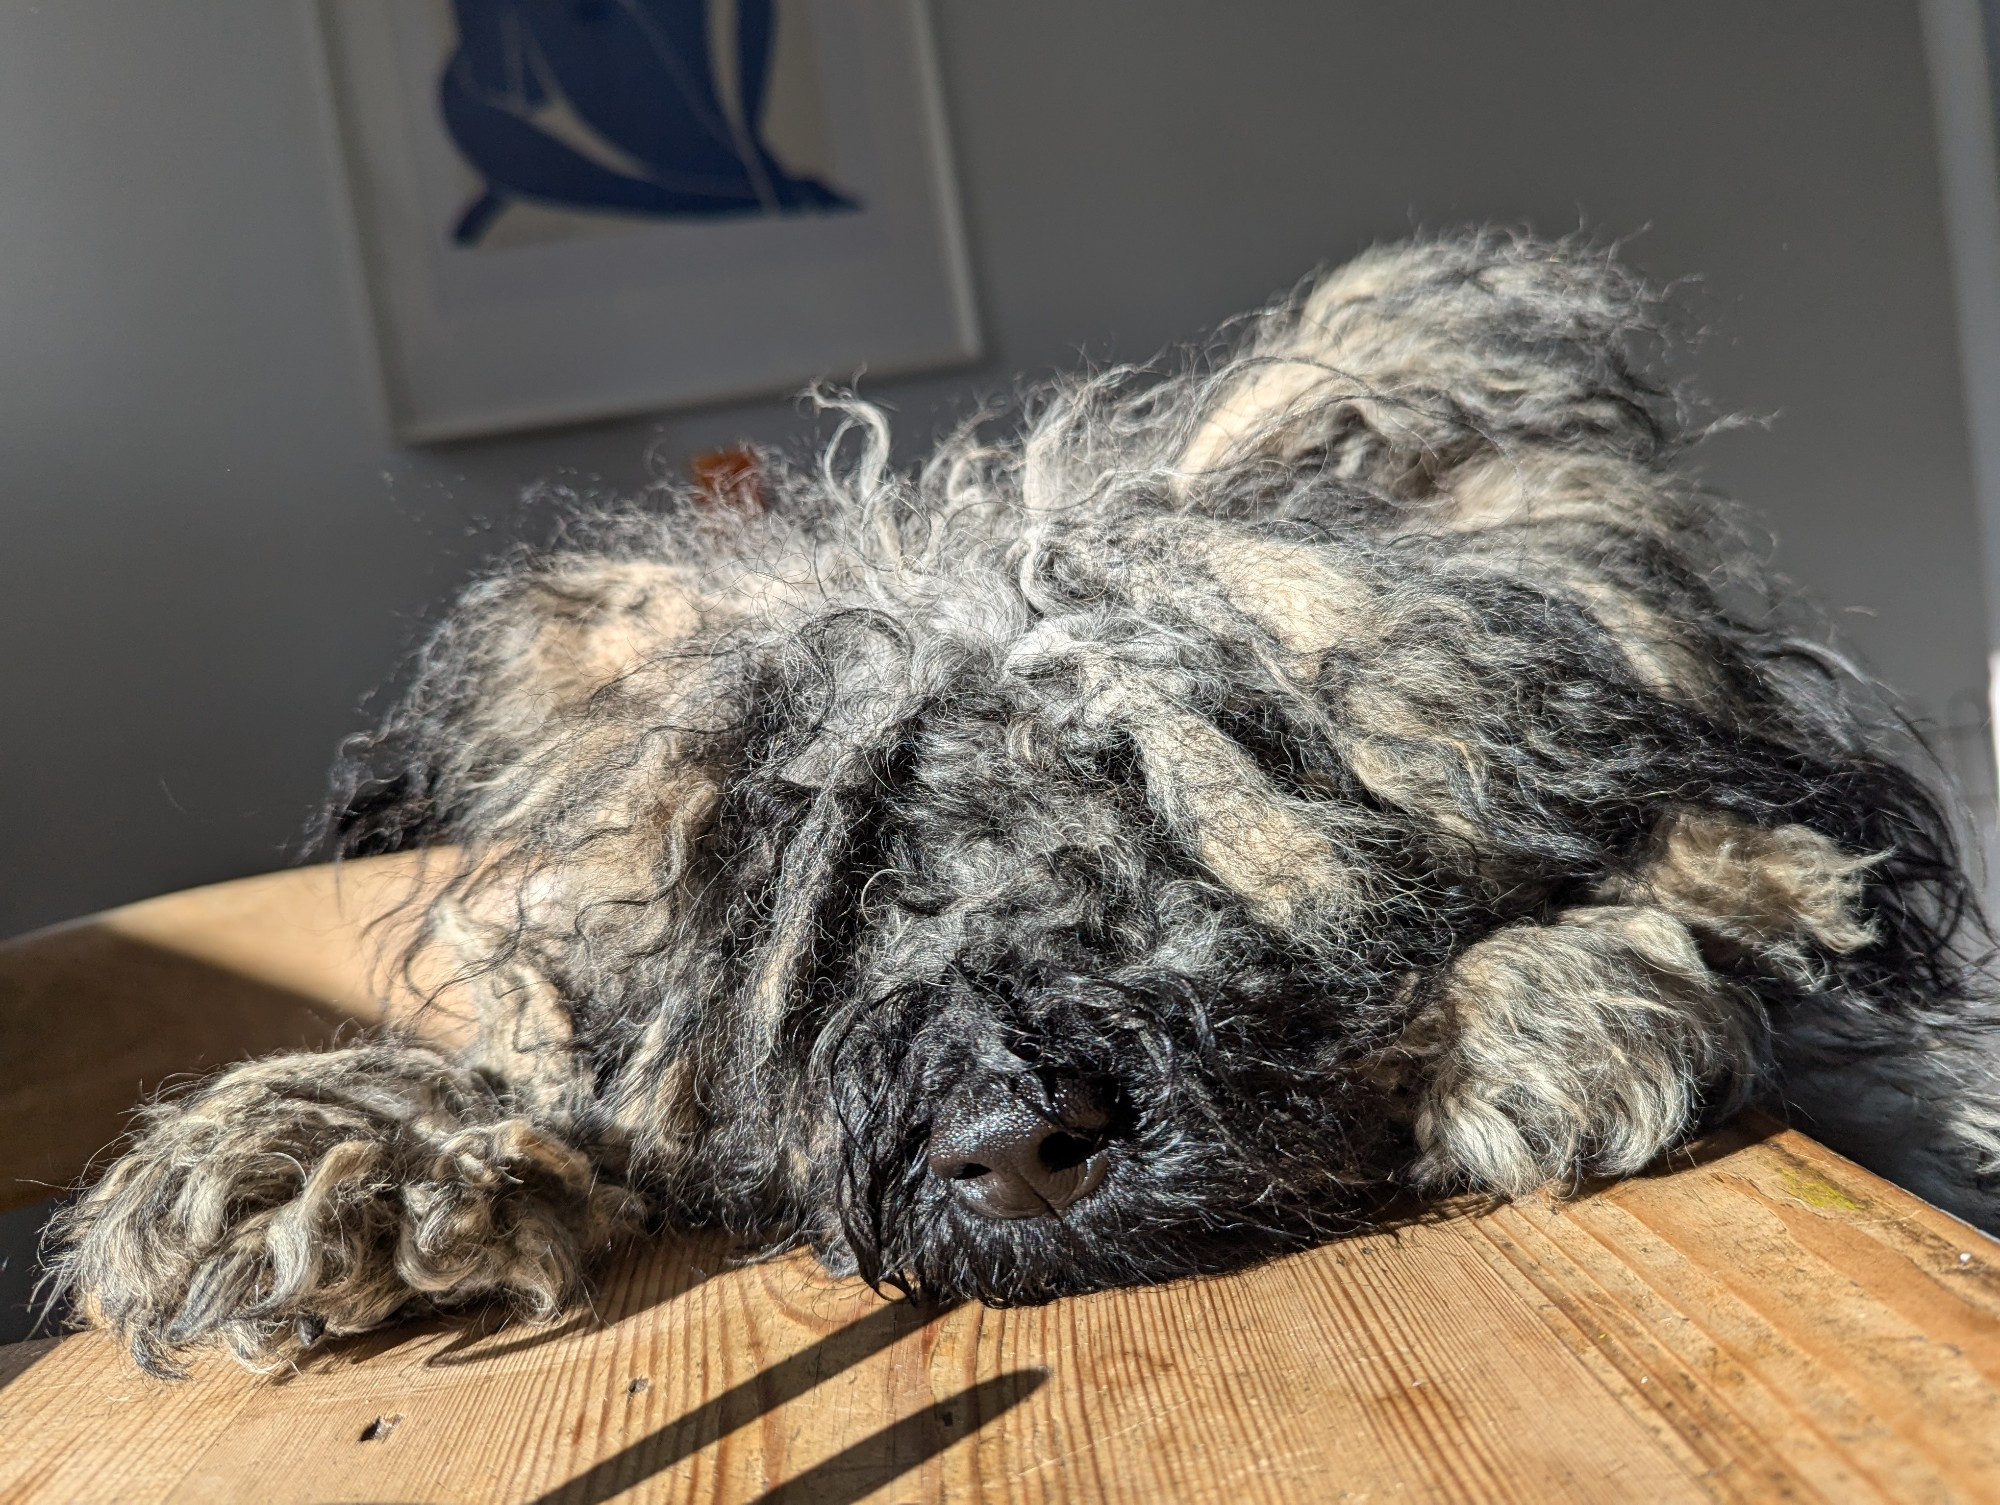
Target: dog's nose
[1012,1159]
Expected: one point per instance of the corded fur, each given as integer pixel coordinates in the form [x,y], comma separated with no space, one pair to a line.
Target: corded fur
[1359,759]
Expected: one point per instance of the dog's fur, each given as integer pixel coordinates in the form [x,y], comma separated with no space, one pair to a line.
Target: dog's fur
[1356,761]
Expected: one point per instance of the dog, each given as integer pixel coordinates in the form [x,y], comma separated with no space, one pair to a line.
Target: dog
[1351,763]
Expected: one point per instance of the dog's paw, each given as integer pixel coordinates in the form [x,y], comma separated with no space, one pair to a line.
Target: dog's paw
[323,1194]
[1586,1045]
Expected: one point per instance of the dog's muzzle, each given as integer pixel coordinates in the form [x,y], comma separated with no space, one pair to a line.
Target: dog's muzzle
[1008,1157]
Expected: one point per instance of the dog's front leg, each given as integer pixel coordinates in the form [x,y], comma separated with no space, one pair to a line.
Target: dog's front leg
[325,1193]
[313,1194]
[1582,1046]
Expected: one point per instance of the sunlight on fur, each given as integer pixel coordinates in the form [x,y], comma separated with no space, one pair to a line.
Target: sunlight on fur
[1353,763]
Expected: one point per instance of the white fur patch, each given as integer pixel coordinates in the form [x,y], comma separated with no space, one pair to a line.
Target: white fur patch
[1776,891]
[1584,1045]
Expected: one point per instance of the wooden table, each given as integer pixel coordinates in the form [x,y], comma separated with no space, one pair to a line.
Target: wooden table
[1759,1319]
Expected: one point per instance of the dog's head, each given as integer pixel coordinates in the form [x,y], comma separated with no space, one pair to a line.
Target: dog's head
[1121,851]
[1062,1054]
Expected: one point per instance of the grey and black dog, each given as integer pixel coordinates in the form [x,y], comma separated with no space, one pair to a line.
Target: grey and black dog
[1119,850]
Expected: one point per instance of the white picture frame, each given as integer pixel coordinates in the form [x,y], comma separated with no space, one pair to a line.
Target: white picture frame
[497,309]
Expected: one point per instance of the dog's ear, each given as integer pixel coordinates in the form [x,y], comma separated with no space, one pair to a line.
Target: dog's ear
[518,665]
[1413,358]
[576,722]
[1488,388]
[527,648]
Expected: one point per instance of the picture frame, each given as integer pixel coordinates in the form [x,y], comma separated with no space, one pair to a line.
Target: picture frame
[605,207]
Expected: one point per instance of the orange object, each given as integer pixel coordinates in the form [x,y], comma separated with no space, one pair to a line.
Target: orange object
[731,477]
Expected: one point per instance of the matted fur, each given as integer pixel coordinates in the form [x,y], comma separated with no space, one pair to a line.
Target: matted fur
[1358,760]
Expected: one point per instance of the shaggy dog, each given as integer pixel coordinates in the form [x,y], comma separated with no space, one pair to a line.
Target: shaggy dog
[1108,854]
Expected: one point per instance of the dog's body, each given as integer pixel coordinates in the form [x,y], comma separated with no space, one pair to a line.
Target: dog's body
[1111,854]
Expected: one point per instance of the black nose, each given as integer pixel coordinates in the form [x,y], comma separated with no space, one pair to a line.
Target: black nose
[1011,1157]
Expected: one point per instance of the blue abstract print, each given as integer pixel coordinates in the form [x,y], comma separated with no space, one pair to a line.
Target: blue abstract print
[621,107]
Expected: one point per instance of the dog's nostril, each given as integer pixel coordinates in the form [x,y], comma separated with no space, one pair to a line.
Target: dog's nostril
[1060,1152]
[972,1170]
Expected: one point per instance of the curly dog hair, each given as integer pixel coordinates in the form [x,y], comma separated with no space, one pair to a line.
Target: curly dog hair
[1355,759]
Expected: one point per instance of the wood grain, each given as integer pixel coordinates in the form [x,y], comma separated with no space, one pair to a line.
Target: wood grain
[97,1015]
[1758,1320]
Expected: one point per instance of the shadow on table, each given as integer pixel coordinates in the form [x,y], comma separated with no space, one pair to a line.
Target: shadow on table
[857,1472]
[897,1448]
[852,1474]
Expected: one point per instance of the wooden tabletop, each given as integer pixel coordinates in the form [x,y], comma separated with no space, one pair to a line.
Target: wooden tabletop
[1759,1320]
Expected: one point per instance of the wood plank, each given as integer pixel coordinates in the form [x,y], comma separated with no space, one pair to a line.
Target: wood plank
[1757,1320]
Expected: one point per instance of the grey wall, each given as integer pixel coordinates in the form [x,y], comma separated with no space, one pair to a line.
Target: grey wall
[211,552]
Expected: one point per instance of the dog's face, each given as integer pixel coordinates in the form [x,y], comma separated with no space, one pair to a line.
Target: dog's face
[1163,947]
[1057,1052]
[1092,1100]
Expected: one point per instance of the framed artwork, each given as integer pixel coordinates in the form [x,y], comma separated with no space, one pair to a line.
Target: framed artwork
[573,209]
